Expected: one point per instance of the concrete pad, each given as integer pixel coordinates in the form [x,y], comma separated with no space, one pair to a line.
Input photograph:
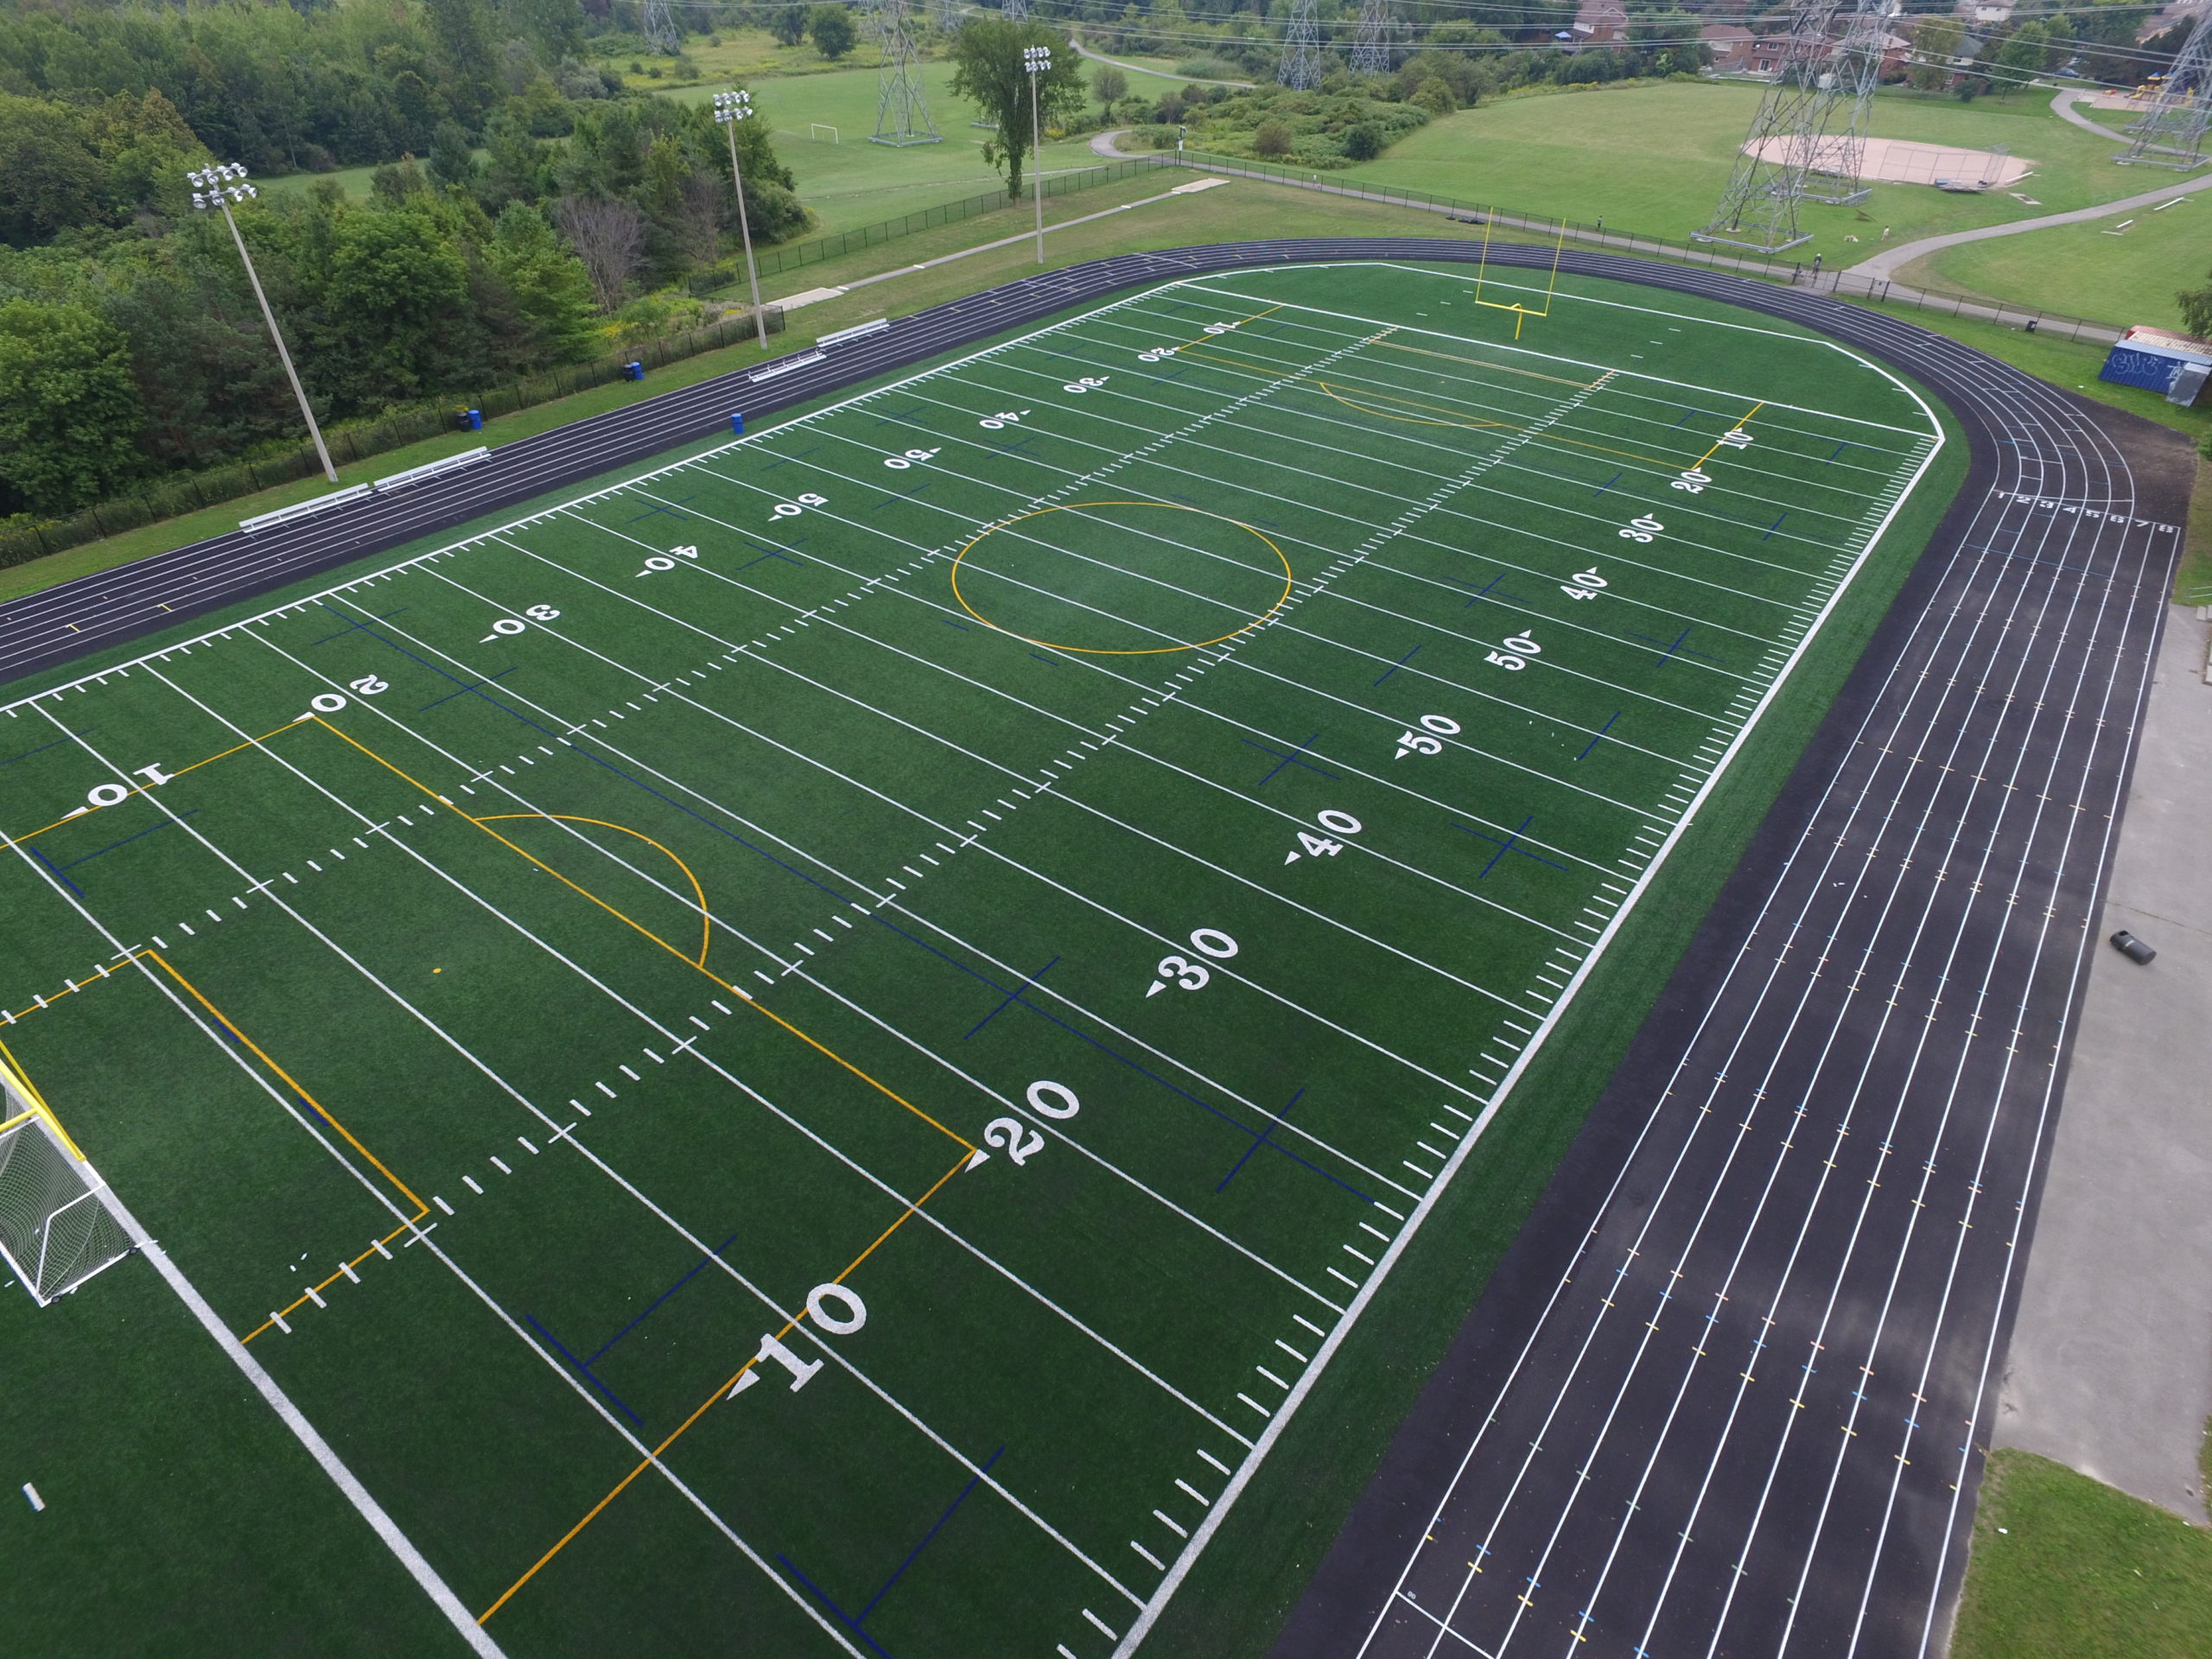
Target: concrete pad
[1902,161]
[2110,1369]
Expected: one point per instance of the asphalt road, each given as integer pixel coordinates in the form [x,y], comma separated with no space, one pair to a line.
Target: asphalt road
[1727,1393]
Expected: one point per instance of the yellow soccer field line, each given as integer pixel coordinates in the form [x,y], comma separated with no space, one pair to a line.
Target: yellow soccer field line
[1282,599]
[721,1392]
[1200,338]
[1497,368]
[1717,443]
[88,811]
[15,1074]
[1451,418]
[735,990]
[706,922]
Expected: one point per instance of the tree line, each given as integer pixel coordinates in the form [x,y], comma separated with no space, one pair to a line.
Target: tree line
[546,210]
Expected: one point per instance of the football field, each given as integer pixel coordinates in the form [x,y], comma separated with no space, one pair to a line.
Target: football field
[821,1046]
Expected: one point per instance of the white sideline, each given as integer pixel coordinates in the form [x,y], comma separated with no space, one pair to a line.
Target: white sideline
[386,1529]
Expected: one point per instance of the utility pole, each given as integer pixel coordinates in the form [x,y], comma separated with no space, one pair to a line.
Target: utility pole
[1035,58]
[218,187]
[730,108]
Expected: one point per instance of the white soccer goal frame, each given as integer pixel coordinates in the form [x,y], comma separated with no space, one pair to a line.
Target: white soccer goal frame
[56,1228]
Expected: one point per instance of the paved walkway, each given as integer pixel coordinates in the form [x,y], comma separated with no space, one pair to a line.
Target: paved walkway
[1886,264]
[2062,107]
[1139,69]
[2110,1369]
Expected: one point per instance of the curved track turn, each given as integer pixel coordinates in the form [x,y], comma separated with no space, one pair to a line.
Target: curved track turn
[1726,1394]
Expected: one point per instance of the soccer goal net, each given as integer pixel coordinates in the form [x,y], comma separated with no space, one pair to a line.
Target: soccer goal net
[54,1232]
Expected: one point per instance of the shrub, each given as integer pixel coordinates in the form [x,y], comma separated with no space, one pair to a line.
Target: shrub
[1271,140]
[1434,97]
[1362,143]
[1207,69]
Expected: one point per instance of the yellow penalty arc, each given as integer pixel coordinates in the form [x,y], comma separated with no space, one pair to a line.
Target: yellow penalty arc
[698,893]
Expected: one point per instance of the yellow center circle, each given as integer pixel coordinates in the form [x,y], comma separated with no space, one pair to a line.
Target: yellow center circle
[1145,651]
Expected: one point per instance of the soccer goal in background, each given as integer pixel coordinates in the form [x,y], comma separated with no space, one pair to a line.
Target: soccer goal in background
[54,1232]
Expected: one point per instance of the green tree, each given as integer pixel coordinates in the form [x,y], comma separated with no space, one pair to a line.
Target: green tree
[2196,309]
[1270,139]
[1109,85]
[465,39]
[69,409]
[49,178]
[830,28]
[548,288]
[395,290]
[2026,53]
[987,71]
[1936,42]
[788,25]
[1362,143]
[452,160]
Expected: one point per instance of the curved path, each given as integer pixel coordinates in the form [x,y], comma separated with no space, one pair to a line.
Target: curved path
[2061,105]
[1729,1389]
[1076,40]
[1886,264]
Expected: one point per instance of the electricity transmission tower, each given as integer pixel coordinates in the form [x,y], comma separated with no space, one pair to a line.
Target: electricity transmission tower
[1015,11]
[657,23]
[1854,69]
[1796,131]
[2172,134]
[1300,69]
[901,117]
[1370,46]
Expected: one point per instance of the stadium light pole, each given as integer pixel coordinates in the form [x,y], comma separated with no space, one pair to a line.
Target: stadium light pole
[1035,58]
[218,187]
[730,108]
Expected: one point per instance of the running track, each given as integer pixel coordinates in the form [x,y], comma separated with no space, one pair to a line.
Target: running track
[1726,1394]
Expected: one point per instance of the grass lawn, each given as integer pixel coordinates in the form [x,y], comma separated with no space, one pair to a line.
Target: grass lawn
[2193,580]
[354,181]
[1653,160]
[2066,1567]
[2085,271]
[852,182]
[1178,752]
[744,54]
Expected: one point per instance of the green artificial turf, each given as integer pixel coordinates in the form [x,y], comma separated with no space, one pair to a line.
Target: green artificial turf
[2066,1567]
[1219,951]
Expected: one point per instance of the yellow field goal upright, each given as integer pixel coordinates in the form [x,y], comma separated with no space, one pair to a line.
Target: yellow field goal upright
[54,1232]
[1521,313]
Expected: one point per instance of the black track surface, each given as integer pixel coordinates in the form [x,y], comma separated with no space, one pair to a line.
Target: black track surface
[1724,1394]
[1728,1393]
